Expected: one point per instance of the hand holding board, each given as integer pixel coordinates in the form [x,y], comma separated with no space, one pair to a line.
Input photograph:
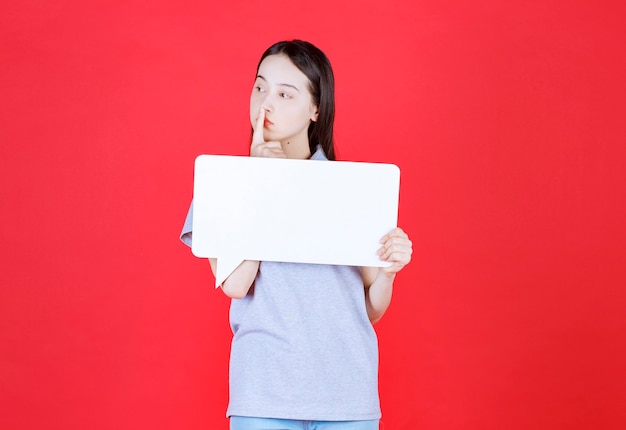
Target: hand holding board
[299,211]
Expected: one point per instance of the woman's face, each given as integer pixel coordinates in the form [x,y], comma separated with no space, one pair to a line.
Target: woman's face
[282,90]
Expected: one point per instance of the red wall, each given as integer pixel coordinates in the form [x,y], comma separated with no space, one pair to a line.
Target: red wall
[507,121]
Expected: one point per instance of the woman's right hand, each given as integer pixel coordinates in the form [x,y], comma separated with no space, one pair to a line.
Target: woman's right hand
[259,147]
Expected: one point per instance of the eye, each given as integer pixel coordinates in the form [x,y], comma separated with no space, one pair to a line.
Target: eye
[284,95]
[259,89]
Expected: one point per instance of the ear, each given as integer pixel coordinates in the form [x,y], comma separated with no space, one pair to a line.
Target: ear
[314,113]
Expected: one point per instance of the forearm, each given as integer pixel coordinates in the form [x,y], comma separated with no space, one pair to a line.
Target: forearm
[396,248]
[238,283]
[378,295]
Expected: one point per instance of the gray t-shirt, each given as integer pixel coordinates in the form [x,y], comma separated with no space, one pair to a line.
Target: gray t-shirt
[303,346]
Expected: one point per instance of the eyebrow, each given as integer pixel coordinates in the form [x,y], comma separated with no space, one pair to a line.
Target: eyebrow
[281,85]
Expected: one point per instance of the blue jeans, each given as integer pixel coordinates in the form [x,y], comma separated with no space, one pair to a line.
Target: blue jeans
[250,423]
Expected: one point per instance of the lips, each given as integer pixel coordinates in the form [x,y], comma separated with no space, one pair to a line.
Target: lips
[267,122]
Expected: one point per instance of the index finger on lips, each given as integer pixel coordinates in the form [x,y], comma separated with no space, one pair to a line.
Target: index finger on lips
[257,136]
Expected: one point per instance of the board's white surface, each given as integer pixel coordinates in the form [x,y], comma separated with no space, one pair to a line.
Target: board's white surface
[300,211]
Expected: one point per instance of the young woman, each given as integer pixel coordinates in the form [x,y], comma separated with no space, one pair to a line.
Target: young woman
[304,353]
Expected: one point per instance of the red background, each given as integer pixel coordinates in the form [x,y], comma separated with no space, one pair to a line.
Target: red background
[506,119]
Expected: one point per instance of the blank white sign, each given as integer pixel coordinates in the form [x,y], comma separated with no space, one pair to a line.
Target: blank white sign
[298,211]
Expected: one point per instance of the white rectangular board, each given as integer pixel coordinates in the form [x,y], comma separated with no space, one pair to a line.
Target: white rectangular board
[298,211]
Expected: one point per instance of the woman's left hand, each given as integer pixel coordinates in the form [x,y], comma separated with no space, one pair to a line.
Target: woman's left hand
[397,249]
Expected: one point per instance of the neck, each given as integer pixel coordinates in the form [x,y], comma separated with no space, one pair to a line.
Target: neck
[297,149]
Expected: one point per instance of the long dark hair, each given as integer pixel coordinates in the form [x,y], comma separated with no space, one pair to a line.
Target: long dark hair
[311,61]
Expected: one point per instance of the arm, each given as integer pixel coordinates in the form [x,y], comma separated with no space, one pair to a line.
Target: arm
[378,282]
[238,283]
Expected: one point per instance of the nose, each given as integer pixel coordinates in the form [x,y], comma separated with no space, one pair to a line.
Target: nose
[267,103]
